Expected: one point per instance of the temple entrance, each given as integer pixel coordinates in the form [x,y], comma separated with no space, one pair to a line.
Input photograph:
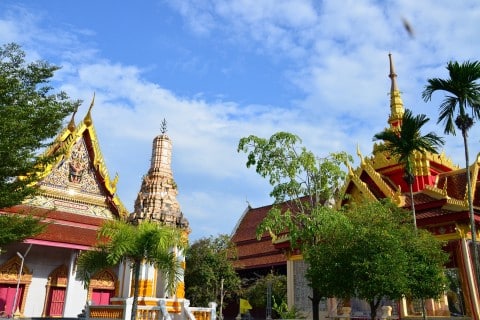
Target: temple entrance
[56,289]
[7,298]
[102,296]
[102,287]
[10,279]
[56,302]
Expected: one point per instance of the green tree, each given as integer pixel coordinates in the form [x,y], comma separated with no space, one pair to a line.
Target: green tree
[463,93]
[385,245]
[147,242]
[292,170]
[377,254]
[31,117]
[299,179]
[405,143]
[366,243]
[427,268]
[209,263]
[17,228]
[256,291]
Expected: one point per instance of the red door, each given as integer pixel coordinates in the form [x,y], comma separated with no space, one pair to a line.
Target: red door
[7,296]
[56,302]
[101,296]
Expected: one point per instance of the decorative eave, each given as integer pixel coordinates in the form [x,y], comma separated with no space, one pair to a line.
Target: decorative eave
[67,138]
[366,166]
[451,203]
[65,142]
[354,179]
[377,178]
[474,174]
[422,161]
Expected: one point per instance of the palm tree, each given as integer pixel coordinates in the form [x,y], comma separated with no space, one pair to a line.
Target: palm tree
[120,241]
[405,142]
[463,91]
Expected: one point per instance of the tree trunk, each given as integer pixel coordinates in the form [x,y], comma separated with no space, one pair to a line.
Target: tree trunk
[373,308]
[424,310]
[136,278]
[315,298]
[410,185]
[470,207]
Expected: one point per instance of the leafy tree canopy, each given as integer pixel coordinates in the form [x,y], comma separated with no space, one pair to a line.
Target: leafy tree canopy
[18,227]
[364,250]
[209,260]
[256,291]
[292,170]
[31,117]
[375,249]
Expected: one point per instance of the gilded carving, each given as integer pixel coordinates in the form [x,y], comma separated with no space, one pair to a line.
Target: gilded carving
[9,271]
[104,280]
[74,171]
[59,277]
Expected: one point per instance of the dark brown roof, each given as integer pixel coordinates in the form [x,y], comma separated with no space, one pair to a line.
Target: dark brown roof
[456,184]
[253,253]
[63,228]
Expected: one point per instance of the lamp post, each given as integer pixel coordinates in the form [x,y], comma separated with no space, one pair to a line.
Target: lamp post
[19,276]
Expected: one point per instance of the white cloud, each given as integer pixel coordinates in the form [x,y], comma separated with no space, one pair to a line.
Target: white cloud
[334,52]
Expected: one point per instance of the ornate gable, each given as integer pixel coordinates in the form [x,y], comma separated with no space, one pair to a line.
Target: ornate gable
[78,182]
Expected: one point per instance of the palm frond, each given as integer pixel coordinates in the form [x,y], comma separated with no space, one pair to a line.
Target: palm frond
[90,262]
[463,91]
[405,142]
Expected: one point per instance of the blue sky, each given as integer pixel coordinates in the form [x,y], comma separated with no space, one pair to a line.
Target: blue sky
[221,70]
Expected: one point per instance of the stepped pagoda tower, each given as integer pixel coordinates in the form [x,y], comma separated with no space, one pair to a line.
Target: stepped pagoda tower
[441,206]
[157,201]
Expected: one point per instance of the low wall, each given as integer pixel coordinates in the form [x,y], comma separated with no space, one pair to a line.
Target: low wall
[167,309]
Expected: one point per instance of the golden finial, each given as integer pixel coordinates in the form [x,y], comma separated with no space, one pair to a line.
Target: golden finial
[71,124]
[396,103]
[88,118]
[359,153]
[115,181]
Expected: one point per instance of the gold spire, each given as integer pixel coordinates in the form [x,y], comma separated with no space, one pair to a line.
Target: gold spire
[88,118]
[396,105]
[71,124]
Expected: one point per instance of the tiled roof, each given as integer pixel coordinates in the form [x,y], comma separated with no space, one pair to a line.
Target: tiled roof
[56,215]
[253,253]
[63,227]
[456,184]
[72,235]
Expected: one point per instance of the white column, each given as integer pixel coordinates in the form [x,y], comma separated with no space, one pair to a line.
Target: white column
[75,293]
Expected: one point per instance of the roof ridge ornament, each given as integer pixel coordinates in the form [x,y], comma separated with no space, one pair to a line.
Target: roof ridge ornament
[163,127]
[88,118]
[71,125]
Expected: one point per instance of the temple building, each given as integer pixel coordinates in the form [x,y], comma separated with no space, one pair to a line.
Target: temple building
[441,205]
[76,195]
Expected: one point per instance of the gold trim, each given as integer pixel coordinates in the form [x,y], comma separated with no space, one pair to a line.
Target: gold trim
[9,274]
[58,278]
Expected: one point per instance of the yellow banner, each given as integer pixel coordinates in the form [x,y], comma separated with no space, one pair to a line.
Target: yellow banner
[244,306]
